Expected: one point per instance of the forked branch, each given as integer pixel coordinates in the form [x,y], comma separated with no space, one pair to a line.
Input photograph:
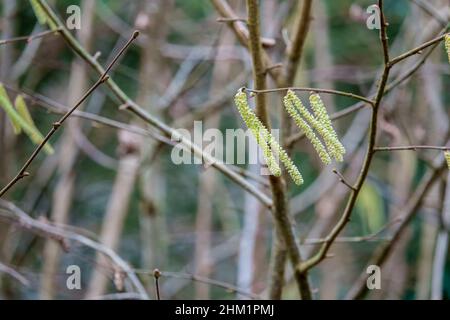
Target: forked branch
[56,125]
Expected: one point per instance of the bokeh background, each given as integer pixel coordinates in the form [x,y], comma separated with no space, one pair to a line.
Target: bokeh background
[203,232]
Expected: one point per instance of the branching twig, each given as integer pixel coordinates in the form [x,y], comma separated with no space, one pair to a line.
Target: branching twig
[416,50]
[227,286]
[157,275]
[389,87]
[343,180]
[318,90]
[242,33]
[370,237]
[56,125]
[30,37]
[321,254]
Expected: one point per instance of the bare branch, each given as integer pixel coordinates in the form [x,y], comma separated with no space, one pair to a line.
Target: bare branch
[56,125]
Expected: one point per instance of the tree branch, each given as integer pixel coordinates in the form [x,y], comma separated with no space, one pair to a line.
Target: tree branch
[30,37]
[411,148]
[321,254]
[318,90]
[416,50]
[56,125]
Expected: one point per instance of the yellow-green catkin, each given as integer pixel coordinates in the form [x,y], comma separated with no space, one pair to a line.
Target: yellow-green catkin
[322,115]
[266,141]
[285,159]
[320,122]
[305,127]
[447,158]
[257,130]
[447,45]
[315,124]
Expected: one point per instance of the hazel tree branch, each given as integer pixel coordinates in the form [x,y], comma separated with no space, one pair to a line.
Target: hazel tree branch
[358,106]
[410,148]
[56,125]
[317,90]
[242,34]
[189,276]
[343,180]
[416,50]
[30,37]
[322,253]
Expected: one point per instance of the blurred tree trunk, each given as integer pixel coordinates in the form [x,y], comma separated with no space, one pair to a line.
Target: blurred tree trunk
[208,183]
[117,209]
[68,153]
[323,61]
[151,20]
[153,80]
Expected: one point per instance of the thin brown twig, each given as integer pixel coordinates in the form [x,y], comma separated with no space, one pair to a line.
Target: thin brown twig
[296,43]
[227,286]
[157,275]
[56,125]
[318,90]
[410,148]
[30,37]
[358,106]
[322,253]
[370,237]
[416,50]
[343,180]
[242,33]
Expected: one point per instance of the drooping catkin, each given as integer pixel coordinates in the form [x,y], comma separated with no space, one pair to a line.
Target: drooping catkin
[304,126]
[321,113]
[320,122]
[447,158]
[257,130]
[447,45]
[266,141]
[286,160]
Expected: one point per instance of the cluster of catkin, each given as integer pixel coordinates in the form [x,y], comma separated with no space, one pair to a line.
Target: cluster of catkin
[309,123]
